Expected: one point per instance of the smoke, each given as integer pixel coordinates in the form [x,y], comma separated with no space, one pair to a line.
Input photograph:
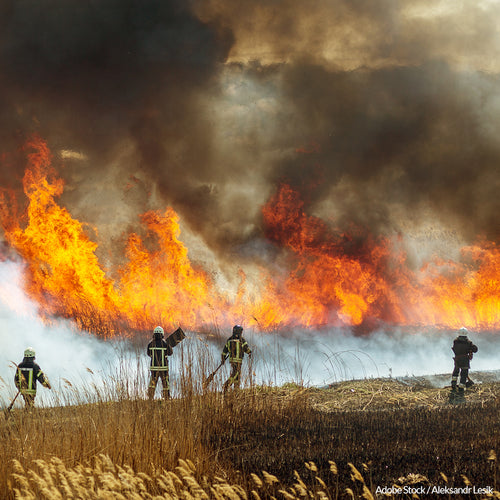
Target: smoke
[77,364]
[82,368]
[382,115]
[119,82]
[334,355]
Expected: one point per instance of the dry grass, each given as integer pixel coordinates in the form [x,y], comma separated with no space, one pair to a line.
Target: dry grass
[376,394]
[104,479]
[262,442]
[52,480]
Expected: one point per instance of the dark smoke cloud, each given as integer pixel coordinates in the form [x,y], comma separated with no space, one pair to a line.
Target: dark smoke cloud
[407,135]
[368,108]
[86,75]
[392,102]
[101,77]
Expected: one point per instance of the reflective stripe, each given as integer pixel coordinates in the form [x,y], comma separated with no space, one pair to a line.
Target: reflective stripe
[30,389]
[158,368]
[162,359]
[234,348]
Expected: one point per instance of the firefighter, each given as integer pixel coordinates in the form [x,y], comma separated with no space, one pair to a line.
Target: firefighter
[158,351]
[28,373]
[464,350]
[235,348]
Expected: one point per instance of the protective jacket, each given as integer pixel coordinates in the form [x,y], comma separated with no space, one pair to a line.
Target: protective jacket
[236,347]
[27,374]
[158,350]
[463,349]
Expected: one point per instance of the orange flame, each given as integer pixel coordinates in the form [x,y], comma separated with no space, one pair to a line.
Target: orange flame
[325,278]
[465,293]
[162,285]
[326,286]
[63,271]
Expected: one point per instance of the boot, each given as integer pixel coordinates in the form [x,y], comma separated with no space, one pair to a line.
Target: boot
[460,398]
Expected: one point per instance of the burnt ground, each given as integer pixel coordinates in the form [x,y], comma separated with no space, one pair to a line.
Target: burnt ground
[392,430]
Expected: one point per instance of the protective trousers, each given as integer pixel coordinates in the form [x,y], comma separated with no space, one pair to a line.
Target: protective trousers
[29,400]
[463,372]
[234,377]
[155,375]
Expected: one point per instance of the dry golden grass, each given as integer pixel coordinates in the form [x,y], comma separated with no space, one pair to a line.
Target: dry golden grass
[52,480]
[261,442]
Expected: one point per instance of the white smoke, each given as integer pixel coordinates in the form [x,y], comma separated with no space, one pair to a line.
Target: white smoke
[319,358]
[75,363]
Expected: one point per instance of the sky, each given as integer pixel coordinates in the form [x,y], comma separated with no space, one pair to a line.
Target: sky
[382,115]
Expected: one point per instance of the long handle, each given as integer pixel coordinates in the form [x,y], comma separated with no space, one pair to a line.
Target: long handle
[212,375]
[13,401]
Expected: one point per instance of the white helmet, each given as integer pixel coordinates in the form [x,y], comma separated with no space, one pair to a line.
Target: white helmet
[158,331]
[463,331]
[29,352]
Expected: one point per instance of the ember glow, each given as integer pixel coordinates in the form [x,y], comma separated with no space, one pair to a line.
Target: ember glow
[305,164]
[327,278]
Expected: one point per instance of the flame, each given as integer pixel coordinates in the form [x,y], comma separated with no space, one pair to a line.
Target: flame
[63,272]
[162,286]
[324,277]
[336,281]
[465,293]
[326,285]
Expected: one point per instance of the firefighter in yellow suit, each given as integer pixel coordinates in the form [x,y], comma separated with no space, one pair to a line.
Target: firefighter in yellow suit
[158,351]
[235,348]
[28,373]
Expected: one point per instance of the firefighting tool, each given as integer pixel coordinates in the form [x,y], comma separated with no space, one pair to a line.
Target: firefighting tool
[176,337]
[7,411]
[11,404]
[212,375]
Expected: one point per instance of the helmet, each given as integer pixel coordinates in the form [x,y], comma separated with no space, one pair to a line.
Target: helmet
[237,330]
[29,352]
[463,331]
[158,332]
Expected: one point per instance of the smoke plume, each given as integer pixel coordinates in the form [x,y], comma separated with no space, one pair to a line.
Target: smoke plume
[382,115]
[76,364]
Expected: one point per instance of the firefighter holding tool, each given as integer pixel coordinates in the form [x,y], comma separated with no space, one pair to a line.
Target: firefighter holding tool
[463,349]
[28,373]
[159,350]
[235,348]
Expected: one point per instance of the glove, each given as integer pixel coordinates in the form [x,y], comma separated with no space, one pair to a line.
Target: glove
[223,359]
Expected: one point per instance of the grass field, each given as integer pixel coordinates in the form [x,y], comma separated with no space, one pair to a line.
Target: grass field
[346,441]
